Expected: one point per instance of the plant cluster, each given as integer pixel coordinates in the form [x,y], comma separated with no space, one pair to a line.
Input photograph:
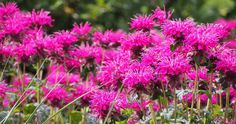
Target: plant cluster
[163,70]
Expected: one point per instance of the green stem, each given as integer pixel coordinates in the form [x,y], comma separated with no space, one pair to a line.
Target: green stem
[210,89]
[153,113]
[4,68]
[18,101]
[175,105]
[44,98]
[194,93]
[227,103]
[113,103]
[164,93]
[67,105]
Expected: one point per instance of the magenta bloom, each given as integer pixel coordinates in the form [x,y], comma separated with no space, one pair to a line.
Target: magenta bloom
[202,74]
[102,100]
[206,37]
[23,81]
[188,97]
[113,70]
[178,29]
[8,9]
[231,44]
[203,99]
[87,54]
[57,97]
[83,89]
[136,39]
[232,95]
[82,29]
[57,74]
[4,100]
[226,60]
[173,64]
[138,76]
[65,38]
[230,24]
[16,23]
[41,18]
[161,15]
[109,37]
[140,106]
[23,52]
[142,23]
[3,89]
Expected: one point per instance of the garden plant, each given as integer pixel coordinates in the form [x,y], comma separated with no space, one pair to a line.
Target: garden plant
[163,70]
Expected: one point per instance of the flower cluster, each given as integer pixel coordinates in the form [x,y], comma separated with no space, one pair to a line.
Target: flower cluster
[121,75]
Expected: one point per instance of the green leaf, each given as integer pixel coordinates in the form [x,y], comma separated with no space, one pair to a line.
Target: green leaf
[172,47]
[29,108]
[127,111]
[121,122]
[75,117]
[216,111]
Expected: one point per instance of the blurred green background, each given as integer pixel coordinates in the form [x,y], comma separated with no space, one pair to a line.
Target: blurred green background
[114,14]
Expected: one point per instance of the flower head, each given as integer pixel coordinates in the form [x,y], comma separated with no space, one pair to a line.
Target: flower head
[161,15]
[41,18]
[138,76]
[178,28]
[136,39]
[226,60]
[8,9]
[57,96]
[113,70]
[102,100]
[142,23]
[109,37]
[82,29]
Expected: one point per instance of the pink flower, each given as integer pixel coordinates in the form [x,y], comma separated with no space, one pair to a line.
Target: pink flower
[232,95]
[41,18]
[113,70]
[173,64]
[57,96]
[188,97]
[22,81]
[109,37]
[102,100]
[53,48]
[231,44]
[161,15]
[62,78]
[65,38]
[138,76]
[23,52]
[87,54]
[6,102]
[16,23]
[206,37]
[202,74]
[83,89]
[142,23]
[203,98]
[226,60]
[178,29]
[140,106]
[8,9]
[230,24]
[136,39]
[3,89]
[82,29]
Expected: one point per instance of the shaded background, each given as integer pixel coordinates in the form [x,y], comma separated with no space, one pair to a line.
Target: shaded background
[114,14]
